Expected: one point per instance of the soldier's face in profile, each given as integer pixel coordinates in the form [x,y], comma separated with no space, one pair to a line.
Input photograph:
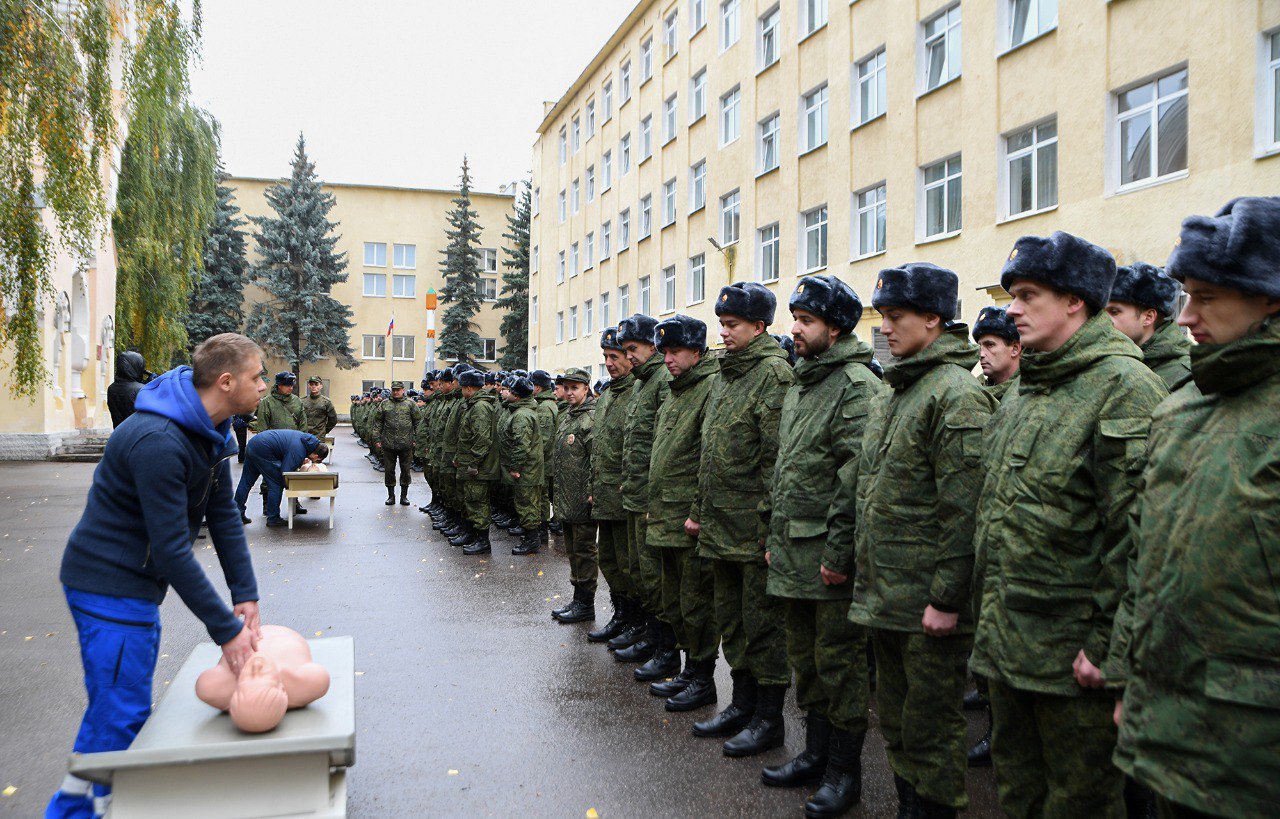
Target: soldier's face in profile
[616,363]
[1219,315]
[907,331]
[1135,322]
[637,352]
[736,332]
[998,358]
[812,335]
[680,360]
[285,389]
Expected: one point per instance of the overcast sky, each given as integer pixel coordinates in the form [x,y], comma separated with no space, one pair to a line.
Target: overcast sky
[393,92]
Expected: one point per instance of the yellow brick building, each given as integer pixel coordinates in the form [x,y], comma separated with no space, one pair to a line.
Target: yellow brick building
[845,136]
[393,238]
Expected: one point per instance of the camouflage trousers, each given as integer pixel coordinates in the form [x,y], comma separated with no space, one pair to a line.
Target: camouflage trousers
[391,457]
[1172,810]
[475,504]
[920,682]
[688,600]
[448,488]
[749,621]
[1052,754]
[612,554]
[500,495]
[828,654]
[530,500]
[584,561]
[644,567]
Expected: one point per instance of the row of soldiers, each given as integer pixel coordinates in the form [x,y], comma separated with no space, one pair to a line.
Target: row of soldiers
[1100,552]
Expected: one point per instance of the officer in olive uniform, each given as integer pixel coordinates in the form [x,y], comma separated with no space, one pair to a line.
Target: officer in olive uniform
[318,409]
[393,430]
[1143,306]
[476,461]
[571,473]
[280,409]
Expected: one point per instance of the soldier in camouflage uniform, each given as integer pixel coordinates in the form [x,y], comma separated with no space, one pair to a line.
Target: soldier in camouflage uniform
[1063,463]
[505,515]
[1201,713]
[523,452]
[454,523]
[393,430]
[914,558]
[571,471]
[548,417]
[1143,306]
[739,447]
[627,625]
[423,435]
[280,409]
[443,514]
[999,351]
[811,540]
[687,585]
[657,649]
[477,462]
[320,414]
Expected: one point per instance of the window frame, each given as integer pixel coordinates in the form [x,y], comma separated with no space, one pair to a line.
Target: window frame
[624,154]
[379,341]
[698,96]
[606,239]
[644,296]
[923,40]
[403,341]
[624,301]
[697,275]
[364,285]
[762,133]
[1007,158]
[588,317]
[559,327]
[670,118]
[924,187]
[879,210]
[731,212]
[697,186]
[1117,119]
[644,218]
[730,104]
[606,170]
[697,16]
[624,82]
[1267,129]
[821,225]
[769,249]
[668,290]
[624,229]
[410,250]
[375,246]
[573,321]
[591,183]
[646,60]
[876,80]
[589,250]
[397,278]
[808,26]
[606,101]
[730,14]
[669,199]
[766,33]
[807,110]
[671,35]
[1007,15]
[646,139]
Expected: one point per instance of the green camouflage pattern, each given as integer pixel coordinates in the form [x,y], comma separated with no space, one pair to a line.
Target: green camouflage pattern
[548,420]
[1202,708]
[606,455]
[999,391]
[571,463]
[276,411]
[828,655]
[643,563]
[819,436]
[501,428]
[673,461]
[650,390]
[917,490]
[1063,462]
[320,414]
[1168,354]
[477,455]
[612,554]
[739,447]
[394,424]
[475,503]
[688,601]
[749,619]
[580,546]
[522,442]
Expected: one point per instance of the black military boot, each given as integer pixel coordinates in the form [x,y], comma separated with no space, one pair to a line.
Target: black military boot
[908,799]
[643,649]
[935,810]
[701,690]
[665,660]
[732,719]
[810,764]
[582,609]
[441,520]
[975,700]
[516,531]
[636,626]
[404,496]
[464,538]
[455,528]
[556,612]
[980,754]
[480,545]
[766,730]
[391,496]
[676,684]
[528,544]
[555,527]
[841,786]
[544,535]
[617,623]
[502,519]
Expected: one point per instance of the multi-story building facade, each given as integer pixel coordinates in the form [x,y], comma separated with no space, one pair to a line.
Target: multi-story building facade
[393,238]
[712,141]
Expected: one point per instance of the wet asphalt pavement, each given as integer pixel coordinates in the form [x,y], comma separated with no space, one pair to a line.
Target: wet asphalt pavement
[471,700]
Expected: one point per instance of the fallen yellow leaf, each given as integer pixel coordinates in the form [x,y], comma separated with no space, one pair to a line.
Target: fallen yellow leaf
[318,633]
[539,574]
[592,813]
[452,772]
[9,791]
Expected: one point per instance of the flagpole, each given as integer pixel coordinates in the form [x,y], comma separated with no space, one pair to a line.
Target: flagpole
[391,345]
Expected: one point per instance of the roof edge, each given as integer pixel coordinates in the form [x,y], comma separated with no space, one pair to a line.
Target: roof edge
[326,184]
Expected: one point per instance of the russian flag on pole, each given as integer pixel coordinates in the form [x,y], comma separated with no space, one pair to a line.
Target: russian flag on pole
[392,325]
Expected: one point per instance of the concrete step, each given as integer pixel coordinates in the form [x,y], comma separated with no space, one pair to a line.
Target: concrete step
[76,458]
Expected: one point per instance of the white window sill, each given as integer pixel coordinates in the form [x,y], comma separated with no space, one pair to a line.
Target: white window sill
[698,208]
[1028,42]
[767,282]
[621,104]
[370,358]
[926,92]
[808,151]
[404,297]
[672,223]
[938,237]
[1026,215]
[813,270]
[809,34]
[698,31]
[697,119]
[622,250]
[398,267]
[765,68]
[1267,151]
[668,141]
[374,296]
[768,171]
[1134,187]
[646,159]
[644,238]
[730,142]
[865,122]
[667,312]
[692,303]
[404,359]
[866,256]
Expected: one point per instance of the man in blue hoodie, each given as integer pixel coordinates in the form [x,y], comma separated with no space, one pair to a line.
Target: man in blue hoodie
[270,454]
[165,469]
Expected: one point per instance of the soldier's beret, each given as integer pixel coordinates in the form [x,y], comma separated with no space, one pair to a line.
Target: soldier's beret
[829,299]
[542,378]
[446,376]
[315,379]
[919,286]
[397,385]
[1238,248]
[521,387]
[1146,286]
[471,378]
[609,339]
[286,378]
[637,328]
[681,331]
[995,321]
[788,345]
[1064,262]
[577,375]
[749,300]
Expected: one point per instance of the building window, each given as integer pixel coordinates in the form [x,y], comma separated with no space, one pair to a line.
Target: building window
[575,196]
[697,16]
[624,155]
[769,143]
[697,278]
[588,315]
[624,301]
[730,211]
[942,204]
[730,23]
[591,119]
[533,260]
[730,116]
[606,171]
[487,289]
[375,254]
[668,289]
[644,296]
[1028,19]
[698,96]
[564,145]
[573,260]
[606,239]
[591,250]
[606,101]
[624,229]
[402,348]
[489,349]
[668,202]
[1271,84]
[869,222]
[671,34]
[1031,166]
[536,201]
[770,244]
[624,81]
[559,326]
[813,16]
[814,128]
[563,208]
[375,284]
[488,259]
[698,186]
[577,134]
[669,119]
[770,49]
[533,309]
[404,287]
[604,309]
[404,257]
[941,53]
[646,138]
[373,346]
[1151,121]
[365,386]
[646,60]
[871,88]
[591,183]
[560,269]
[573,322]
[815,239]
[646,216]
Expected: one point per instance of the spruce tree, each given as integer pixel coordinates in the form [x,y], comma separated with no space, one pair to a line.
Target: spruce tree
[299,320]
[217,295]
[461,269]
[515,287]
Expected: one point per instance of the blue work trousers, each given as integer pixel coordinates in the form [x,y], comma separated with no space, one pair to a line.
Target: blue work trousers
[271,475]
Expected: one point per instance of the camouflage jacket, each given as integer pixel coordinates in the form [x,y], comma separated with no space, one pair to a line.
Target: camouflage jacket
[423,434]
[1202,709]
[1063,463]
[395,424]
[449,429]
[477,455]
[276,411]
[571,462]
[545,405]
[739,446]
[918,481]
[677,448]
[444,405]
[816,474]
[606,456]
[320,414]
[999,391]
[652,378]
[501,425]
[522,443]
[1168,354]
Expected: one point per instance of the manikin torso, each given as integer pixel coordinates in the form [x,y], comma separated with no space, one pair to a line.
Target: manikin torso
[278,676]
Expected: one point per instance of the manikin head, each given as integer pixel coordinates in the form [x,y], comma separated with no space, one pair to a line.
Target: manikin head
[259,701]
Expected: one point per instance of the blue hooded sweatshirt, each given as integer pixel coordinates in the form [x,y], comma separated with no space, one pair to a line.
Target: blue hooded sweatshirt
[165,469]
